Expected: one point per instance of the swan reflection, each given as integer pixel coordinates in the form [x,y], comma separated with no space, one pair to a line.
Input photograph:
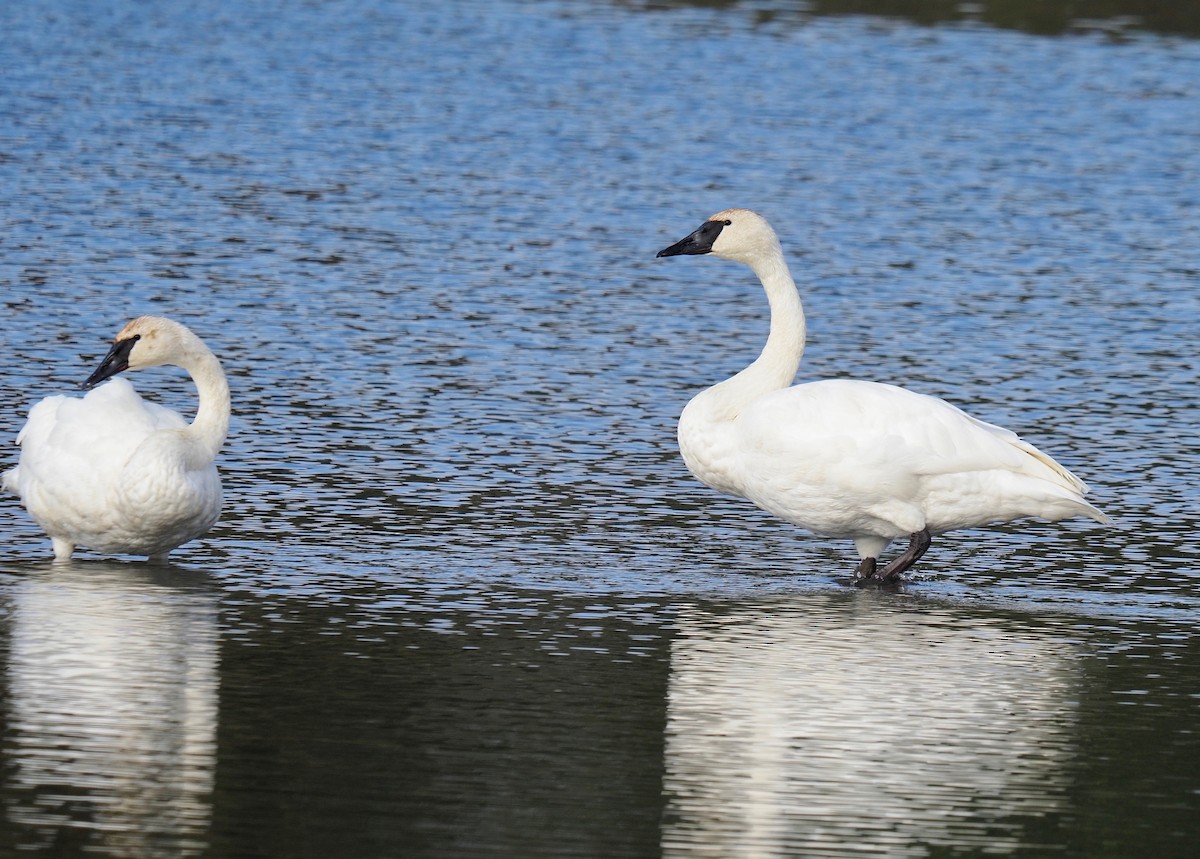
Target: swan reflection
[112,686]
[836,727]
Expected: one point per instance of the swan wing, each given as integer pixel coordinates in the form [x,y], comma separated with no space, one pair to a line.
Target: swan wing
[75,448]
[887,429]
[852,454]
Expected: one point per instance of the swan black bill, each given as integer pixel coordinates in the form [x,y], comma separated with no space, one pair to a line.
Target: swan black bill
[114,362]
[699,242]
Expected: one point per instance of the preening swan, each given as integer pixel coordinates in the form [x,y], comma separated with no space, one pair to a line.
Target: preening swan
[858,460]
[115,473]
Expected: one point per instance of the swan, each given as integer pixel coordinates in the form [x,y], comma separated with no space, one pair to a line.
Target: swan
[849,459]
[115,473]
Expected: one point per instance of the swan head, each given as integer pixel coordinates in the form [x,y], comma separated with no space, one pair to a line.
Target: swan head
[735,234]
[148,341]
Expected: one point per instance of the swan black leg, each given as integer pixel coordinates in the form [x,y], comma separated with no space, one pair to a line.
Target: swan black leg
[919,542]
[866,569]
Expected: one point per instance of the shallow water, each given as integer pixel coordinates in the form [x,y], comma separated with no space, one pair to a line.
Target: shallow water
[464,599]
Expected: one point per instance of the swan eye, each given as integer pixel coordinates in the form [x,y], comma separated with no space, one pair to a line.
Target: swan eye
[728,222]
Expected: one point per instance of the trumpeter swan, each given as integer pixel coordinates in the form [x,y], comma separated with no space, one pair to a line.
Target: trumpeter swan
[115,473]
[850,459]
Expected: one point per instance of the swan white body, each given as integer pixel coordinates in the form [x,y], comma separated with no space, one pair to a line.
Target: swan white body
[851,459]
[120,475]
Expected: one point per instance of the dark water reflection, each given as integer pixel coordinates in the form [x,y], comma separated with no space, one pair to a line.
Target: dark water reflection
[854,726]
[473,720]
[896,731]
[1113,18]
[477,719]
[464,600]
[111,711]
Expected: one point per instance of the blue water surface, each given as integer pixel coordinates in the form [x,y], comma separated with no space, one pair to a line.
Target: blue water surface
[464,598]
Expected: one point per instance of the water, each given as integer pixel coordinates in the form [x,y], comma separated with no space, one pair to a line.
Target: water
[464,600]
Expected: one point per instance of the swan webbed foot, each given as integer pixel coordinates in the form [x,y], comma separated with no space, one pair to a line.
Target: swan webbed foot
[918,544]
[865,571]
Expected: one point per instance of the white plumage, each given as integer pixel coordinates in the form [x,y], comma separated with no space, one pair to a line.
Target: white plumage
[851,459]
[115,473]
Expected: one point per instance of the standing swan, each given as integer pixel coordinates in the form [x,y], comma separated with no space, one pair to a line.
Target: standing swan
[844,458]
[118,474]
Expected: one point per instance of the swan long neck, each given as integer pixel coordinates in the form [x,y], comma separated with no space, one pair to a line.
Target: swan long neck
[779,360]
[212,417]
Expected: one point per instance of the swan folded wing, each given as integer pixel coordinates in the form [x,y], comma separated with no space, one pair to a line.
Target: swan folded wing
[75,449]
[868,426]
[846,445]
[42,417]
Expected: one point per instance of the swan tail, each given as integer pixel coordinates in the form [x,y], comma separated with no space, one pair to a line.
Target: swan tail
[1097,514]
[1058,474]
[1071,504]
[1067,481]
